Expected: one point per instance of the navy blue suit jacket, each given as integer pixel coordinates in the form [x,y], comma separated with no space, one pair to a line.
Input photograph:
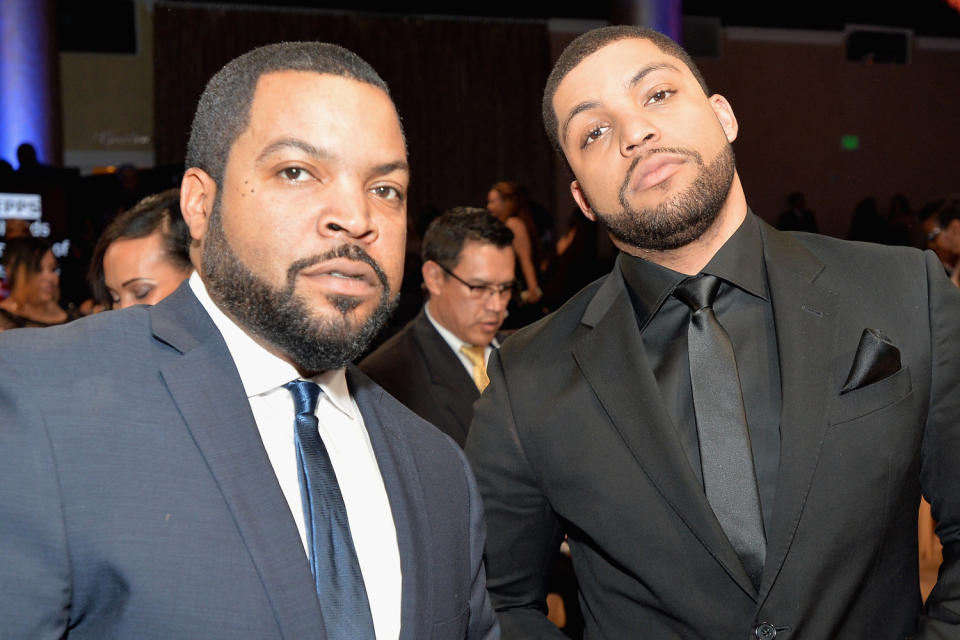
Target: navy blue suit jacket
[137,500]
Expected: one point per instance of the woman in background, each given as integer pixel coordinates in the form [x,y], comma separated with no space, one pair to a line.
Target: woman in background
[506,201]
[143,255]
[33,278]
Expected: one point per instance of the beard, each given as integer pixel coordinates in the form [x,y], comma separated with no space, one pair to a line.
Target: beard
[281,317]
[682,219]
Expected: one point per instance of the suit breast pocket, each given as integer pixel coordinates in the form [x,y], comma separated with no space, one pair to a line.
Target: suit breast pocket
[452,629]
[872,398]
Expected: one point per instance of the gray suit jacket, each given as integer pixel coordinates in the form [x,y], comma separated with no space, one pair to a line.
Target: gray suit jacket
[418,368]
[599,460]
[137,500]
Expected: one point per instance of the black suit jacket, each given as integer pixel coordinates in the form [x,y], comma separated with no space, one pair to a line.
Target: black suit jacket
[573,437]
[137,500]
[418,368]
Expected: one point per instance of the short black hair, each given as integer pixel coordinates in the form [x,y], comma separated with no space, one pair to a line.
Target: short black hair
[26,252]
[158,213]
[948,212]
[591,42]
[445,237]
[223,111]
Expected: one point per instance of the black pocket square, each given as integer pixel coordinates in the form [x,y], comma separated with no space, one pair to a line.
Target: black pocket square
[876,359]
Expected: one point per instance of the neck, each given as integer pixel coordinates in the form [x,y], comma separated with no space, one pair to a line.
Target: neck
[691,258]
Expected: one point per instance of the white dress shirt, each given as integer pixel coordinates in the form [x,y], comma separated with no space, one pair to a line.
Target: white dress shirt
[351,454]
[455,343]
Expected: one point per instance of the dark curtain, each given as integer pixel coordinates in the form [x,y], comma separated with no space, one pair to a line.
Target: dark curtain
[468,91]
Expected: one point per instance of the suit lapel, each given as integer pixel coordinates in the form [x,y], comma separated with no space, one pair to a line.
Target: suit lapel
[805,319]
[613,361]
[447,375]
[406,497]
[207,390]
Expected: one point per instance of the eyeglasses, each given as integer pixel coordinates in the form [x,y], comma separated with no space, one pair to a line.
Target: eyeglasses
[933,234]
[484,291]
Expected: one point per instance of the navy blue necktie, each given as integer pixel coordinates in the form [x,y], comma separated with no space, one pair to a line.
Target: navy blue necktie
[333,560]
[725,454]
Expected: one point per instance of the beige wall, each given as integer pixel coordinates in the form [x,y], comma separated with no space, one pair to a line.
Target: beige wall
[108,102]
[795,100]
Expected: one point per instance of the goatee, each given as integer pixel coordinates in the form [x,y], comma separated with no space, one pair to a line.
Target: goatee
[682,219]
[281,317]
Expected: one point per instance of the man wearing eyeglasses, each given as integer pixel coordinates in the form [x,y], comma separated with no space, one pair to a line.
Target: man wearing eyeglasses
[436,365]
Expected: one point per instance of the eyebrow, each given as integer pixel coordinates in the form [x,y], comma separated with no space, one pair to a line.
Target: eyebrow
[634,81]
[320,153]
[137,279]
[294,143]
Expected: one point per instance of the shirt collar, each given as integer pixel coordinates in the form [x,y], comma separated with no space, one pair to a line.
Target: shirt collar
[261,371]
[739,262]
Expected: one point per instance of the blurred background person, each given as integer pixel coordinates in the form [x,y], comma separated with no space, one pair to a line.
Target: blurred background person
[930,226]
[436,364]
[33,279]
[507,202]
[143,255]
[903,227]
[796,217]
[947,237]
[867,224]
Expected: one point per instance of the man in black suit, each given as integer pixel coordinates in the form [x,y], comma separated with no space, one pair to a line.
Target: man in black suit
[734,427]
[212,467]
[433,365]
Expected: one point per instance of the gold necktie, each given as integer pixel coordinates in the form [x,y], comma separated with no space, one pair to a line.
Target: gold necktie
[475,354]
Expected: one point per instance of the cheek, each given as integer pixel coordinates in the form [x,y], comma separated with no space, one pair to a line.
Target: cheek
[392,250]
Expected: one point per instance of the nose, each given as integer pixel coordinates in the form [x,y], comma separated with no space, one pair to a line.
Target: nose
[636,133]
[496,302]
[347,211]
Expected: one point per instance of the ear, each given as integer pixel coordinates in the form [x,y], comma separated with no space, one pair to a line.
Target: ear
[725,115]
[581,199]
[198,192]
[432,276]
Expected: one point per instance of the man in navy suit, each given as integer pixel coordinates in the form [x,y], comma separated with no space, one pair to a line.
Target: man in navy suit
[151,482]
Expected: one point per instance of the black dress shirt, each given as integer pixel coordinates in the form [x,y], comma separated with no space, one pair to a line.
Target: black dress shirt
[743,309]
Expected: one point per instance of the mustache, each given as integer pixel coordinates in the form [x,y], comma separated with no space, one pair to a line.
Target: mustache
[348,251]
[679,151]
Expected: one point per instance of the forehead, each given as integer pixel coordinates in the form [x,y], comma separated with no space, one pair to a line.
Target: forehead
[612,68]
[480,254]
[307,104]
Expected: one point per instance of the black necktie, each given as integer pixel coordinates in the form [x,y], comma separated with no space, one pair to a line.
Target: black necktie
[333,560]
[725,457]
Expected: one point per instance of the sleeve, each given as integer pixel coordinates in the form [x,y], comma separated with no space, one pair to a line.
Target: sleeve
[940,454]
[523,532]
[483,621]
[34,563]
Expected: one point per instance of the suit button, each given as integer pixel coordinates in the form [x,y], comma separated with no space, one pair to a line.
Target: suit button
[765,631]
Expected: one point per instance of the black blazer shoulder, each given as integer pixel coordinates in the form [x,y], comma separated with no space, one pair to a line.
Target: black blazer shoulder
[418,368]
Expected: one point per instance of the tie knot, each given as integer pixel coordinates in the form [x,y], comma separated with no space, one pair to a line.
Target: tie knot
[305,395]
[474,353]
[698,292]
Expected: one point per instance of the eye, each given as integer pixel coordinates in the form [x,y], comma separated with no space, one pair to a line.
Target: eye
[294,174]
[660,96]
[387,192]
[142,292]
[594,134]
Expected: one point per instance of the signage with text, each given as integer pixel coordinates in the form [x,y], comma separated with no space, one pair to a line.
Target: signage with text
[21,206]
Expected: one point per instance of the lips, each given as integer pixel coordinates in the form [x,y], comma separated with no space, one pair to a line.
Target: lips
[344,276]
[654,170]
